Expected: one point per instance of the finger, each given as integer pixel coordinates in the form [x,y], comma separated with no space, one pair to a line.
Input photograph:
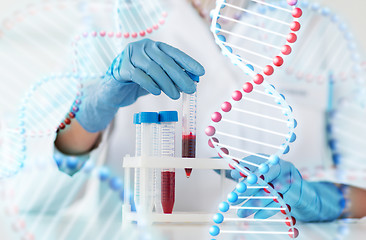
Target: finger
[185,61]
[268,212]
[144,81]
[158,75]
[175,72]
[251,203]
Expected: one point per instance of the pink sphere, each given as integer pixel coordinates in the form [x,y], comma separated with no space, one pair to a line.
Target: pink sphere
[110,34]
[247,87]
[164,14]
[292,2]
[149,30]
[268,70]
[134,35]
[286,50]
[212,140]
[126,35]
[225,151]
[142,33]
[295,26]
[216,117]
[226,107]
[210,131]
[296,12]
[278,61]
[94,34]
[292,221]
[155,26]
[293,234]
[291,37]
[237,95]
[102,33]
[258,79]
[161,21]
[118,35]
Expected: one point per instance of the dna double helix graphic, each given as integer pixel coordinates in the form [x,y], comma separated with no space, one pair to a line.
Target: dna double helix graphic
[256,122]
[48,96]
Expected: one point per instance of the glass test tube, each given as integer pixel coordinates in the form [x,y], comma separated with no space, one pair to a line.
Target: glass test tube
[137,123]
[189,124]
[168,121]
[149,147]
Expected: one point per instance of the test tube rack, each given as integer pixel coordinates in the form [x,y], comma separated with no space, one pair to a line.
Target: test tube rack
[130,163]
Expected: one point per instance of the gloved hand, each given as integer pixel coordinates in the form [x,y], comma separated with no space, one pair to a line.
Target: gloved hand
[143,67]
[309,201]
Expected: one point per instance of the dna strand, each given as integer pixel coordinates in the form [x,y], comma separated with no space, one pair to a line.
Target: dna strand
[256,119]
[26,57]
[340,57]
[71,215]
[139,18]
[345,129]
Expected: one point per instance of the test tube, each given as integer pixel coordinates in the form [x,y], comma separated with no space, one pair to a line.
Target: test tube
[149,147]
[189,124]
[167,121]
[137,123]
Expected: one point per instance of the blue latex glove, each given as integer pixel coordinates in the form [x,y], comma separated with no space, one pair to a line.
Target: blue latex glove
[309,201]
[143,67]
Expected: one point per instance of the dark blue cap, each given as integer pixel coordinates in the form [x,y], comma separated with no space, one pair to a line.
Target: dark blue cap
[194,77]
[136,118]
[168,116]
[149,117]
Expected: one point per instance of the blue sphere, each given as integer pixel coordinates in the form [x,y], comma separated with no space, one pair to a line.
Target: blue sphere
[287,149]
[88,167]
[292,138]
[218,218]
[104,174]
[115,183]
[214,230]
[224,207]
[274,159]
[250,66]
[232,197]
[263,168]
[241,187]
[315,6]
[72,163]
[235,174]
[295,123]
[222,38]
[218,26]
[252,179]
[229,49]
[325,11]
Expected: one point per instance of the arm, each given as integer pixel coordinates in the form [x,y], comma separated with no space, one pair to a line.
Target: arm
[143,67]
[75,140]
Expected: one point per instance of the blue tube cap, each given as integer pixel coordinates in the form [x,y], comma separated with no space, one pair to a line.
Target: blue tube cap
[136,118]
[168,116]
[149,117]
[193,77]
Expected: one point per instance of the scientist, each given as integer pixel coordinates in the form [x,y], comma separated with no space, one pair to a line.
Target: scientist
[149,76]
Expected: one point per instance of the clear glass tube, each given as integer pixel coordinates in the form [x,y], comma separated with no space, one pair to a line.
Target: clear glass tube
[149,147]
[189,127]
[167,149]
[137,154]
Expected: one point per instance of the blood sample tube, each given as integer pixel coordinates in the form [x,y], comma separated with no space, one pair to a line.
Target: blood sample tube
[189,124]
[149,147]
[168,121]
[137,123]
